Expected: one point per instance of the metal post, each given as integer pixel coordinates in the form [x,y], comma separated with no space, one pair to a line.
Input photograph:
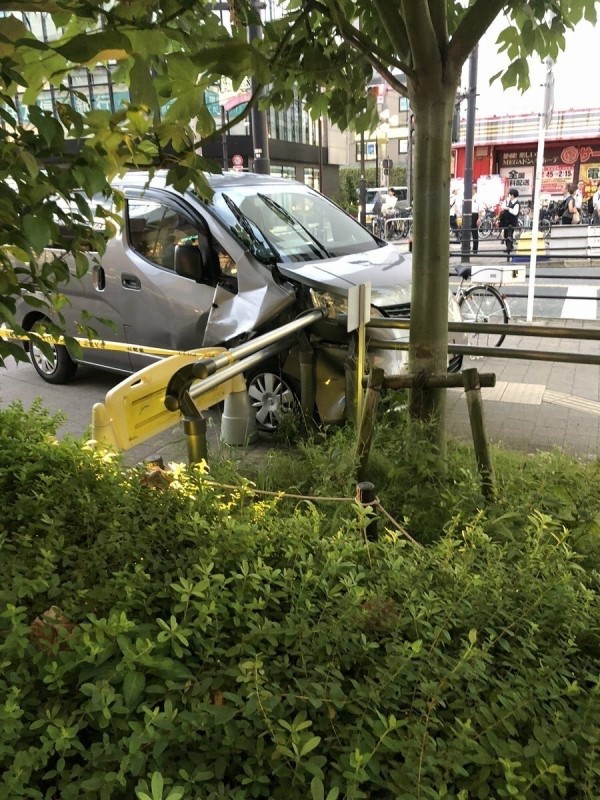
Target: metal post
[539,168]
[258,117]
[320,133]
[469,143]
[362,184]
[409,159]
[194,429]
[224,138]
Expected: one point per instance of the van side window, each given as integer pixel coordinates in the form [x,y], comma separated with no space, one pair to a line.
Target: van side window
[154,230]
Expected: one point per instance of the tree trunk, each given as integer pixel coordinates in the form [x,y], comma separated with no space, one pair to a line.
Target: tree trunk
[433,108]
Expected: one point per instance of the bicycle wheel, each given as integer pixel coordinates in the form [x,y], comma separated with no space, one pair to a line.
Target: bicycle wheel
[485,228]
[484,304]
[517,231]
[545,227]
[379,227]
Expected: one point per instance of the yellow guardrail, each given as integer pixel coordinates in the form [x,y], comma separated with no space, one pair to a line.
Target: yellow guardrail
[135,410]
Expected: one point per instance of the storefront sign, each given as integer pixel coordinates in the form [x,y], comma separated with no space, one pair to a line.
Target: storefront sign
[517,158]
[521,179]
[554,178]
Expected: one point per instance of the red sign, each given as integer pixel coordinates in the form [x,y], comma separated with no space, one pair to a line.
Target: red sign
[237,161]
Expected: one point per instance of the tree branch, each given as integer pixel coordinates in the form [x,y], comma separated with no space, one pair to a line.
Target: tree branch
[471,28]
[375,55]
[421,35]
[393,24]
[439,20]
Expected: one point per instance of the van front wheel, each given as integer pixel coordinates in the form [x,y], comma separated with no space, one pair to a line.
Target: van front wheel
[271,394]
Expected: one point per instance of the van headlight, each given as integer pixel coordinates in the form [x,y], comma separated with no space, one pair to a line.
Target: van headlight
[332,304]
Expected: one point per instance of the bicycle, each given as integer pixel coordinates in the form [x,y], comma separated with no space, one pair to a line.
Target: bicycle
[393,227]
[489,224]
[483,303]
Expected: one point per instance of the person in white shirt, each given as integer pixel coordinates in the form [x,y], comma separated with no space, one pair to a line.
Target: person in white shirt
[596,205]
[475,220]
[509,217]
[390,203]
[453,213]
[579,195]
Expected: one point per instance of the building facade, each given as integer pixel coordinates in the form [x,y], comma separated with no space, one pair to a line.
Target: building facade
[299,147]
[507,146]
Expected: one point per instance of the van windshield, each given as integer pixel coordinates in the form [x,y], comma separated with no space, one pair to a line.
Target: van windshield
[297,223]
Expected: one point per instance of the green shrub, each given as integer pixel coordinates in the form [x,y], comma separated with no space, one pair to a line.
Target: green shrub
[207,643]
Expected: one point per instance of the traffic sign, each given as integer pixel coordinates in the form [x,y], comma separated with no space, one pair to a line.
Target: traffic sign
[237,161]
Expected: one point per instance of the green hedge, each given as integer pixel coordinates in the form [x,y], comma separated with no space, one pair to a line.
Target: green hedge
[207,643]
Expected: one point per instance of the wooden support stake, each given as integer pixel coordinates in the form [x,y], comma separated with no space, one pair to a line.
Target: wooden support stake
[307,382]
[365,494]
[445,381]
[367,421]
[482,451]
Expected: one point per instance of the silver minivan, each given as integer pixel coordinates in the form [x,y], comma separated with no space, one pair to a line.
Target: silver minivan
[184,273]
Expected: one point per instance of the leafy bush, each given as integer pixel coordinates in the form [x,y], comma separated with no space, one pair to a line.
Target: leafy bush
[198,642]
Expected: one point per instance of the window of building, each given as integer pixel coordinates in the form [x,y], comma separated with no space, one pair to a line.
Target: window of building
[403,104]
[403,145]
[311,177]
[284,172]
[370,151]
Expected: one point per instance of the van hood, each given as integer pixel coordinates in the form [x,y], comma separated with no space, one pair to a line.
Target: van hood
[387,269]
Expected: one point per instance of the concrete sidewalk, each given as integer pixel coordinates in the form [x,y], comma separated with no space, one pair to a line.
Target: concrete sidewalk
[537,405]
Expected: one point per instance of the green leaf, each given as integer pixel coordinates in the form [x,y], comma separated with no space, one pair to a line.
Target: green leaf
[317,790]
[133,686]
[157,785]
[310,745]
[141,85]
[472,636]
[37,230]
[86,47]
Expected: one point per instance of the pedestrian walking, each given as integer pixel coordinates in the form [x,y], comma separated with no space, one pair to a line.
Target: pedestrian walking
[453,212]
[475,219]
[568,210]
[578,195]
[596,205]
[509,218]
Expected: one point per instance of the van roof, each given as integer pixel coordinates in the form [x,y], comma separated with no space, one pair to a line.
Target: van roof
[216,181]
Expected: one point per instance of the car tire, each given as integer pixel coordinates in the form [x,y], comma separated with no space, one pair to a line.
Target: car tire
[58,369]
[271,395]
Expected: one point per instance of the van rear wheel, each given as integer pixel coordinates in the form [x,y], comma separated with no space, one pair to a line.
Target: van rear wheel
[272,395]
[56,367]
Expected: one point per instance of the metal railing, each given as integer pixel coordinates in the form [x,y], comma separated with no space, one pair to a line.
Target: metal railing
[587,334]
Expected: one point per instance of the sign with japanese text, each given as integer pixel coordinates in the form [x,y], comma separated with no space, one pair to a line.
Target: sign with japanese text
[517,158]
[521,179]
[554,178]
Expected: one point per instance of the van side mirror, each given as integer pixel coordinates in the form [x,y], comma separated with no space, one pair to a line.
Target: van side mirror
[189,262]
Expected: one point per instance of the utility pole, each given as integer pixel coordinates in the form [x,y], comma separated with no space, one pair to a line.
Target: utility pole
[362,184]
[469,146]
[258,117]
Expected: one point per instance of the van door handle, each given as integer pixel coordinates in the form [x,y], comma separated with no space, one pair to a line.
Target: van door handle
[129,281]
